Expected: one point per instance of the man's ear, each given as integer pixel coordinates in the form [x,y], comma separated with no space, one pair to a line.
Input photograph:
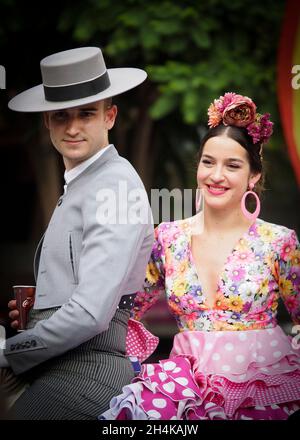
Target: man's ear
[46,119]
[110,116]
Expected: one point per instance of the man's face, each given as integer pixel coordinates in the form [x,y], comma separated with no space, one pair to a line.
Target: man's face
[80,132]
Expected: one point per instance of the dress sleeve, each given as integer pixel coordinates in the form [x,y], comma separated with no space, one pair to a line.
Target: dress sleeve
[154,283]
[289,275]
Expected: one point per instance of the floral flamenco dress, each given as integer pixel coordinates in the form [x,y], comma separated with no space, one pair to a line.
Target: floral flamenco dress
[231,361]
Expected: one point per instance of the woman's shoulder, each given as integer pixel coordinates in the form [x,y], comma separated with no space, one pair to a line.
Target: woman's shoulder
[170,232]
[175,226]
[279,231]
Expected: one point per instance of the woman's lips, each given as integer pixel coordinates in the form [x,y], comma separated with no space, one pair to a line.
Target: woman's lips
[216,190]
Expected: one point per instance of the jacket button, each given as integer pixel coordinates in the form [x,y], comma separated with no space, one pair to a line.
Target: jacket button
[12,347]
[33,343]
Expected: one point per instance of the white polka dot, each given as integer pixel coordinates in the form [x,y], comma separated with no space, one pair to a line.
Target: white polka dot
[240,358]
[277,354]
[182,380]
[259,345]
[245,417]
[196,342]
[254,355]
[274,343]
[177,370]
[150,370]
[208,346]
[209,405]
[153,413]
[229,346]
[270,331]
[162,376]
[173,418]
[264,369]
[219,334]
[169,387]
[276,366]
[242,376]
[261,358]
[154,384]
[226,368]
[159,403]
[216,357]
[168,366]
[188,393]
[243,336]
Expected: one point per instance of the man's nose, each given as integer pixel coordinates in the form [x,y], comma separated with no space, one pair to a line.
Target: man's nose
[72,126]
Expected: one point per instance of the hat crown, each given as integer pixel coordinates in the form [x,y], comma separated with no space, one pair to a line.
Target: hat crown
[76,77]
[73,66]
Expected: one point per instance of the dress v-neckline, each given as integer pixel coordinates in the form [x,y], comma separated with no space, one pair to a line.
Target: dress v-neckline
[219,278]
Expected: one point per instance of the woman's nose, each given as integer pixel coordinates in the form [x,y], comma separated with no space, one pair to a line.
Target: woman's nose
[217,173]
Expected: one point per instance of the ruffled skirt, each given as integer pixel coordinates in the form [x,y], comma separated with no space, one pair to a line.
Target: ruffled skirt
[251,374]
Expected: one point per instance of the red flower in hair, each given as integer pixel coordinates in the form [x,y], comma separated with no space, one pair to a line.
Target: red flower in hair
[240,111]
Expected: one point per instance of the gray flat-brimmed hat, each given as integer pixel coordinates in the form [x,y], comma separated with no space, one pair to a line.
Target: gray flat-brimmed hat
[76,77]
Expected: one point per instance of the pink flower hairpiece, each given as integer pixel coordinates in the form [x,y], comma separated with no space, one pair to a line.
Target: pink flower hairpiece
[238,110]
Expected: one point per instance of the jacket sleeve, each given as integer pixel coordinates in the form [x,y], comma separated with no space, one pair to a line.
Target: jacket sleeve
[110,252]
[154,283]
[289,275]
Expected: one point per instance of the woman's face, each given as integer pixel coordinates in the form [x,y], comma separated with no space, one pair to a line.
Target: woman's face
[224,172]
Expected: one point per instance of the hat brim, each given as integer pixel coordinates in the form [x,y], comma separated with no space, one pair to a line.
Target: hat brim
[121,80]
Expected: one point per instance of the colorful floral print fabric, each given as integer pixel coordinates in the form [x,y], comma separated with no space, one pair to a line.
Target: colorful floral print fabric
[264,265]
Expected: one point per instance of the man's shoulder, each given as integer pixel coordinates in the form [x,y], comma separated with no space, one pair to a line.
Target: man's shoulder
[118,168]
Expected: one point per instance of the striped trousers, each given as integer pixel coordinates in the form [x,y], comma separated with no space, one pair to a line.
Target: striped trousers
[79,384]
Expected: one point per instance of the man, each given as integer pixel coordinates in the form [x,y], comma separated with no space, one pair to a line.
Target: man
[93,256]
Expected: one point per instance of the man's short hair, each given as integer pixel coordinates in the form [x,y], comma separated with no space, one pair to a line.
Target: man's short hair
[107,103]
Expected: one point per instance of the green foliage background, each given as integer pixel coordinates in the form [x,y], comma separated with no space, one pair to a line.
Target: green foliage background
[193,51]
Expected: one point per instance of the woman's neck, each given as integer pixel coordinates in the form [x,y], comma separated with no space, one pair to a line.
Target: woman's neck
[219,221]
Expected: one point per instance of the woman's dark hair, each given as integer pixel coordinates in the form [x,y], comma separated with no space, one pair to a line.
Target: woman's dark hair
[240,135]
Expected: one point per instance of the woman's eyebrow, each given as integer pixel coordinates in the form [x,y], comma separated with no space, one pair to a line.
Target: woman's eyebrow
[234,159]
[230,159]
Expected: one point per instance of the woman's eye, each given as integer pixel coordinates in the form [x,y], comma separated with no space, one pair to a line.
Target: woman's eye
[233,166]
[206,162]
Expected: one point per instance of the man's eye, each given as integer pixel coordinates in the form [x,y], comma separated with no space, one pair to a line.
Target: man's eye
[86,114]
[59,116]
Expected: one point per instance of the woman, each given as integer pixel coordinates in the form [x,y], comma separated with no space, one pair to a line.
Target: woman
[223,272]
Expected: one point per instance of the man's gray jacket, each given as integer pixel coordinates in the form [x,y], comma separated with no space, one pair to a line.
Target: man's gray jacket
[94,251]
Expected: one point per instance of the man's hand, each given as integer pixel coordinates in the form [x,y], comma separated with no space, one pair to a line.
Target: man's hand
[14,313]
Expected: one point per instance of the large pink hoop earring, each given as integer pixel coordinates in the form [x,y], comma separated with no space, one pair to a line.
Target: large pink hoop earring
[248,214]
